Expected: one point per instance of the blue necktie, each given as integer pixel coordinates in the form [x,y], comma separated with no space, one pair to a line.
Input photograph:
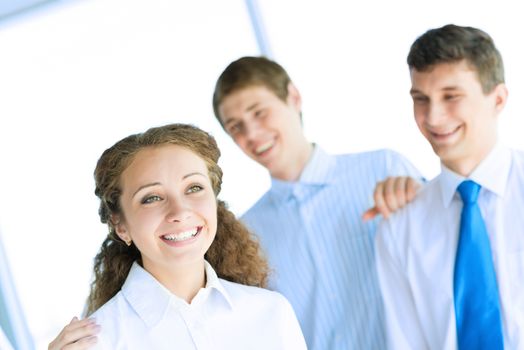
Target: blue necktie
[477,309]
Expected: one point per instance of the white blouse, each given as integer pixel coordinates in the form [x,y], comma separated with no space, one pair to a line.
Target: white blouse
[223,315]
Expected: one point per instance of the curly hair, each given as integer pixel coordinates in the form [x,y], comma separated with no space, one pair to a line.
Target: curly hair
[234,254]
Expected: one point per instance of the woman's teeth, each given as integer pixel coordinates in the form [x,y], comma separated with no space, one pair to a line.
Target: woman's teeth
[182,236]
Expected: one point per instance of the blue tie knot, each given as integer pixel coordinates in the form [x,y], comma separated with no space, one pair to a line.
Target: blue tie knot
[469,191]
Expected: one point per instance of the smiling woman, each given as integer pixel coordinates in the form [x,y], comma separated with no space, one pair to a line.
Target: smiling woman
[177,267]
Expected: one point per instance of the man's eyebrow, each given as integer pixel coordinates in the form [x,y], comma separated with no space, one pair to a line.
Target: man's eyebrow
[414,91]
[229,121]
[451,88]
[447,88]
[248,109]
[252,106]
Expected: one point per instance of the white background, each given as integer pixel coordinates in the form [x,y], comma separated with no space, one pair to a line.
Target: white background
[76,77]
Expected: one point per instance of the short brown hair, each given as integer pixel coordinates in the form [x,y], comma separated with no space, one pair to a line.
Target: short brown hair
[250,71]
[234,253]
[452,43]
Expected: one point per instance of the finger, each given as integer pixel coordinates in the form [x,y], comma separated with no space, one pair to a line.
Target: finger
[412,187]
[78,334]
[82,344]
[399,187]
[380,203]
[58,342]
[75,331]
[76,323]
[390,194]
[370,214]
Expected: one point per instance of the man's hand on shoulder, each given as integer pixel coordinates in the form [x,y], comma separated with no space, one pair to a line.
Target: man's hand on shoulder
[77,335]
[391,195]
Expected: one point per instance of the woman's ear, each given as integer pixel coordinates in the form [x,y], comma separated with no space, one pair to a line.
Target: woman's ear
[120,229]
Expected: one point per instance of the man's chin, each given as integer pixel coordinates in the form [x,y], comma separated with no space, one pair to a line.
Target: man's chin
[264,161]
[443,151]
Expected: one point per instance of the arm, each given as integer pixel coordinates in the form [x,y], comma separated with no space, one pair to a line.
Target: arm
[403,328]
[392,194]
[77,335]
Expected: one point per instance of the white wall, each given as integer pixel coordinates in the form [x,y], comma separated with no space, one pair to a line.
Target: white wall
[74,80]
[349,60]
[77,77]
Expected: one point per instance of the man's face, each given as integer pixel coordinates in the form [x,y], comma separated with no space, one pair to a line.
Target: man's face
[453,113]
[266,128]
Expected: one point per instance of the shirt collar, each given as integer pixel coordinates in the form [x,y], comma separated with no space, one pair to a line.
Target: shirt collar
[150,299]
[318,171]
[492,174]
[213,282]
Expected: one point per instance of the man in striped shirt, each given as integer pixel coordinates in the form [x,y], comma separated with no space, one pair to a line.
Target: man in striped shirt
[310,220]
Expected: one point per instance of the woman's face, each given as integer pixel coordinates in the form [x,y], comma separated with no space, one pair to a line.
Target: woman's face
[168,206]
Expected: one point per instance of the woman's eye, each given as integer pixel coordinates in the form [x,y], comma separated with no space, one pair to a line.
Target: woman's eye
[194,188]
[151,199]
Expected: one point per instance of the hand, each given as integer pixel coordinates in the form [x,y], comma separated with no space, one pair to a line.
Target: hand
[77,335]
[392,194]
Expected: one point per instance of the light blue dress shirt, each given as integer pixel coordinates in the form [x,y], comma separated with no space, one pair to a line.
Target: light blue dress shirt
[320,249]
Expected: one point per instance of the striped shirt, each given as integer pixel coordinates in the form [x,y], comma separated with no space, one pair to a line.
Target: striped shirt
[321,251]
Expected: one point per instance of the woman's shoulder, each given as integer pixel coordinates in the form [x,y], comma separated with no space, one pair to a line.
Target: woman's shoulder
[267,315]
[109,309]
[108,316]
[240,293]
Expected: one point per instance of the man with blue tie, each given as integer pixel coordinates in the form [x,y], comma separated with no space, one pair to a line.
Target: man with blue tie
[451,263]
